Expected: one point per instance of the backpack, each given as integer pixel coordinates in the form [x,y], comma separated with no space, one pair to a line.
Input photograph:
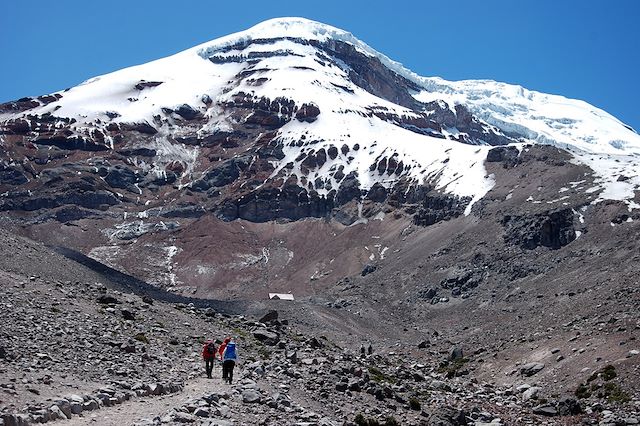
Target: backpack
[230,351]
[211,348]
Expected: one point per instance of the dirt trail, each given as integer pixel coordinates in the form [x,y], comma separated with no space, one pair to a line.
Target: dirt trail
[135,410]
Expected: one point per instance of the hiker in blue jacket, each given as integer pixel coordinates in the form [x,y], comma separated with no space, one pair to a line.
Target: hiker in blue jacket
[229,358]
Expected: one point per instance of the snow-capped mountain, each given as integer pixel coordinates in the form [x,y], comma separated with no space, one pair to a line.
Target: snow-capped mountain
[293,158]
[296,102]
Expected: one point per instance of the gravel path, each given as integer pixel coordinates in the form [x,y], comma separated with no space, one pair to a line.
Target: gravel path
[130,412]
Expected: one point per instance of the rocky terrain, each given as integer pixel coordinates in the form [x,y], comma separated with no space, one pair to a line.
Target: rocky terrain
[75,346]
[479,236]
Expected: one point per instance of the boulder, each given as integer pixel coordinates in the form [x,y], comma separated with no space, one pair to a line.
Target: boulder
[55,413]
[201,412]
[180,417]
[251,396]
[456,353]
[368,269]
[545,410]
[128,315]
[569,407]
[342,386]
[530,393]
[106,299]
[269,317]
[448,416]
[13,420]
[267,337]
[531,368]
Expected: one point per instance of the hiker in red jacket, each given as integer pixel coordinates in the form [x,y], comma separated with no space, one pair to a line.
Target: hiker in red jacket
[209,355]
[221,351]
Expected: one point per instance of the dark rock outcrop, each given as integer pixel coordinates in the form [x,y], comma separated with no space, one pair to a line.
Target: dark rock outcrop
[507,155]
[146,84]
[187,112]
[308,113]
[224,174]
[290,202]
[349,189]
[553,229]
[368,269]
[11,175]
[122,177]
[437,207]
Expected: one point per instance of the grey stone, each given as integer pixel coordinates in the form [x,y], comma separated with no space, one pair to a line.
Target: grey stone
[267,337]
[201,412]
[545,410]
[456,353]
[569,407]
[531,368]
[342,386]
[368,269]
[90,405]
[251,396]
[56,413]
[531,393]
[180,417]
[220,422]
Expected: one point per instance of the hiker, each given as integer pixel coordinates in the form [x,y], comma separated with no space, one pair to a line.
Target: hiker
[223,345]
[209,355]
[362,351]
[369,349]
[229,358]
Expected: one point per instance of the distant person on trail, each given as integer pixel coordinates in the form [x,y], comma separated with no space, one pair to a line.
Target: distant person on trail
[229,358]
[221,351]
[209,351]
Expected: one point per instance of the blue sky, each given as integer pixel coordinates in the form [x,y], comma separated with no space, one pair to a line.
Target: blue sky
[580,49]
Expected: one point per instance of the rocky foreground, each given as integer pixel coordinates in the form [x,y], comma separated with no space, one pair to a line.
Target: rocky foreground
[74,346]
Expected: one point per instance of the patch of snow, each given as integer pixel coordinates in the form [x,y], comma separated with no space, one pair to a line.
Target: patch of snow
[631,205]
[558,199]
[382,252]
[171,252]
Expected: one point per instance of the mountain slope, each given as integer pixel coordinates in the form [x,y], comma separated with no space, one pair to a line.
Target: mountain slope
[334,113]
